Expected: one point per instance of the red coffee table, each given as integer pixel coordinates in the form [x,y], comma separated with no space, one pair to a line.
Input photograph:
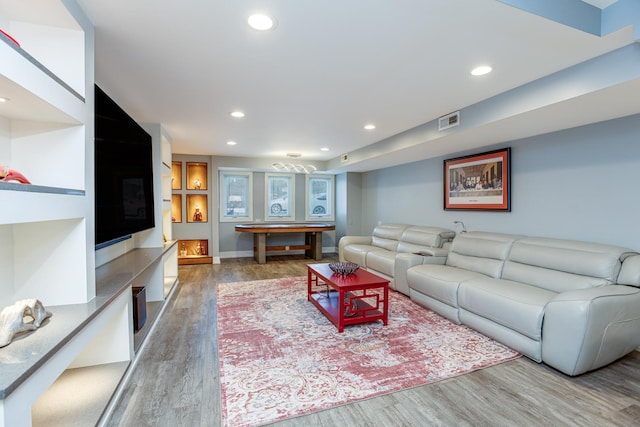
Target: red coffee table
[347,300]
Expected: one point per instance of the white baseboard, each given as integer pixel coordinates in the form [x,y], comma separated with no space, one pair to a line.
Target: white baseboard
[236,254]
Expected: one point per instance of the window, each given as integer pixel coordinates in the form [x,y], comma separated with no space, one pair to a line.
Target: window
[280,196]
[236,196]
[319,200]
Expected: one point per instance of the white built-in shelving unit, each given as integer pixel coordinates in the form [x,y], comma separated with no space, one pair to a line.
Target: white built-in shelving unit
[47,228]
[43,134]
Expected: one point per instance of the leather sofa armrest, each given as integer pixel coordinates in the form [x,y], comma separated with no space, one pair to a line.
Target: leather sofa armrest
[352,240]
[433,252]
[403,262]
[590,328]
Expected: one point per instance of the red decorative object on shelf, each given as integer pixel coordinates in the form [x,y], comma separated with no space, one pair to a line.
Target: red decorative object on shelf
[10,38]
[197,216]
[7,174]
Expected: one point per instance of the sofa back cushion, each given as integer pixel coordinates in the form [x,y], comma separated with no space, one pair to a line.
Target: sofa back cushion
[630,271]
[563,265]
[387,236]
[417,238]
[481,252]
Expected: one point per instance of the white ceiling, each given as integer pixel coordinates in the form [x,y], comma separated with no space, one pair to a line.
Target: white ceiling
[328,68]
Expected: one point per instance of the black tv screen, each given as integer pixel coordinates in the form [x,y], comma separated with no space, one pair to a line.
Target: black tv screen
[123,173]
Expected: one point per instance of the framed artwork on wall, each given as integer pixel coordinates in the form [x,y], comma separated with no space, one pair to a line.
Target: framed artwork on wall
[478,182]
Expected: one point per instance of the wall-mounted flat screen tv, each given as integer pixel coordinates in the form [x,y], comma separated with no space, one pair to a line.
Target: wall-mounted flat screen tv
[123,173]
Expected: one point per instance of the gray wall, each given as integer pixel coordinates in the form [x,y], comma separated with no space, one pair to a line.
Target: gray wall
[194,230]
[348,205]
[580,183]
[232,242]
[577,184]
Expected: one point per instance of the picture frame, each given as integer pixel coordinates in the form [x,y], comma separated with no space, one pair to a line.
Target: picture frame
[478,181]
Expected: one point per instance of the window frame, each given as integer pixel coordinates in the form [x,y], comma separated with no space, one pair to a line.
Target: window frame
[291,196]
[329,215]
[224,197]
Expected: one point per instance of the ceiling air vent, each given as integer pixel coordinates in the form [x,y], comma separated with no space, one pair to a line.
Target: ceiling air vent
[449,121]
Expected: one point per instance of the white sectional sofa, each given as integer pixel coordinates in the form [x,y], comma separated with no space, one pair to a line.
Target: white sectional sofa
[393,248]
[572,305]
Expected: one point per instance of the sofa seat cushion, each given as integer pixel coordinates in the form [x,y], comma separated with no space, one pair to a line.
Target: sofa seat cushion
[382,261]
[358,253]
[439,282]
[514,305]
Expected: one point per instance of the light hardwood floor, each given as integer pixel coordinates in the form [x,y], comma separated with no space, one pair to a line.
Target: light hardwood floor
[176,382]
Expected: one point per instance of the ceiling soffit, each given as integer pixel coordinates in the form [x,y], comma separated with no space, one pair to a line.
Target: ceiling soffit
[584,16]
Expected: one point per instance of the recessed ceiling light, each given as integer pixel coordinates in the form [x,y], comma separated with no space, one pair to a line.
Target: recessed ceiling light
[261,22]
[237,114]
[231,143]
[370,126]
[324,149]
[4,99]
[481,70]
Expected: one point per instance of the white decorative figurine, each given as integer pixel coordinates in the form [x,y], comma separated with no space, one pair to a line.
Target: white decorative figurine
[25,315]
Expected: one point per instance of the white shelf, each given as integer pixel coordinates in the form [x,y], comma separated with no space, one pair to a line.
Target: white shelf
[139,268]
[166,155]
[25,204]
[44,260]
[166,185]
[170,267]
[76,335]
[153,311]
[43,136]
[34,95]
[49,33]
[58,405]
[169,283]
[42,132]
[45,141]
[166,152]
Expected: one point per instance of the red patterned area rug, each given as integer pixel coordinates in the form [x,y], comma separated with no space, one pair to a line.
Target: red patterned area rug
[280,357]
